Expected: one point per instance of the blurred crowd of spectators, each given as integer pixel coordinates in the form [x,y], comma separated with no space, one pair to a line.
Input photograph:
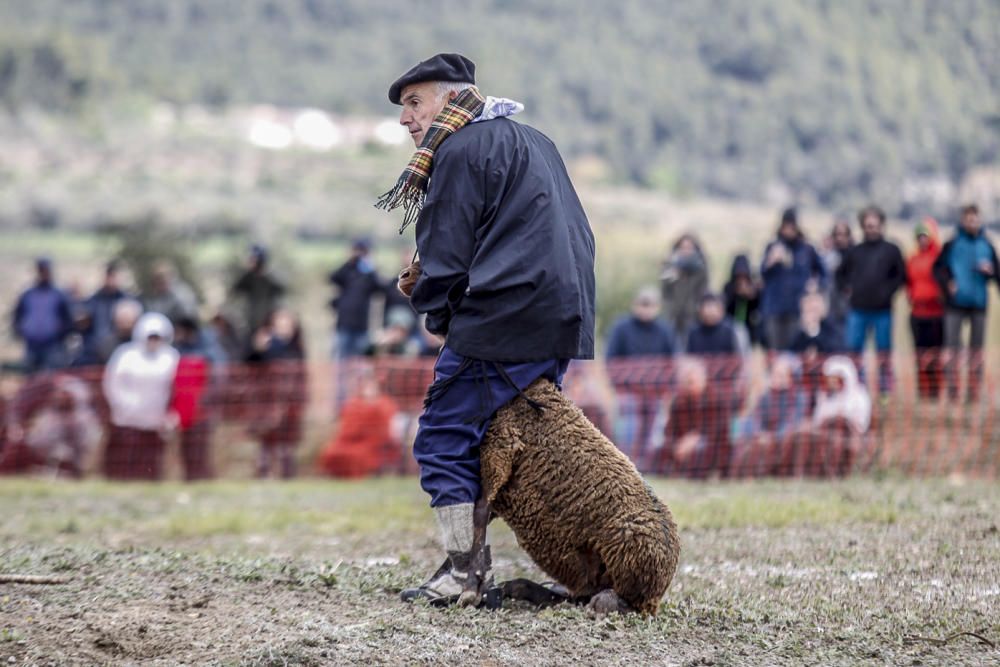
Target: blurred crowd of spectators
[141,368]
[155,370]
[812,309]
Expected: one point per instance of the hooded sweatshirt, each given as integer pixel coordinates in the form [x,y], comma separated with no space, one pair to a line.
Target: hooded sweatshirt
[742,309]
[921,286]
[851,403]
[138,383]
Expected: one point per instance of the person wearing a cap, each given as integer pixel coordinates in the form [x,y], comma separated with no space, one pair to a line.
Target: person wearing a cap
[42,319]
[507,278]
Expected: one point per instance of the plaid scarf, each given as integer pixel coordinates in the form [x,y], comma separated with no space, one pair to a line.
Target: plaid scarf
[411,187]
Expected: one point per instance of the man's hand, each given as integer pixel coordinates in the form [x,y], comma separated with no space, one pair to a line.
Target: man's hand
[408,278]
[777,254]
[687,446]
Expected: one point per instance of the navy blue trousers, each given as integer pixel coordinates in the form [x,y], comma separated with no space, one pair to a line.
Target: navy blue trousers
[460,405]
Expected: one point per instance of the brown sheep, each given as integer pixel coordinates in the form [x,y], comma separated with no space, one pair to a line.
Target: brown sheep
[577,505]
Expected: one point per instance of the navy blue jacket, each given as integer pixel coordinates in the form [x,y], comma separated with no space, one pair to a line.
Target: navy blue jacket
[631,337]
[829,340]
[785,284]
[101,306]
[358,283]
[506,251]
[717,339]
[42,316]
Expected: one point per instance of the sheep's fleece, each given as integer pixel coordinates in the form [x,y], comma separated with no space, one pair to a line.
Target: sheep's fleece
[576,504]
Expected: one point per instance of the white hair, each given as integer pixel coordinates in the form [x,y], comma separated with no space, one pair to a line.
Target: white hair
[648,293]
[129,309]
[445,87]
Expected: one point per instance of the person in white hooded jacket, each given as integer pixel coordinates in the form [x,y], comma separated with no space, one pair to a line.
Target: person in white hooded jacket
[138,381]
[836,436]
[845,398]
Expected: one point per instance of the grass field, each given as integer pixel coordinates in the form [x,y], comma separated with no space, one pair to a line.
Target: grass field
[308,573]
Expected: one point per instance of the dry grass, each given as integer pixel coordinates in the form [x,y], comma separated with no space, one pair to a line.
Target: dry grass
[307,573]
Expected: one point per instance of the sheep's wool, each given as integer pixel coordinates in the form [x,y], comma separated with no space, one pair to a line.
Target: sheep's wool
[576,504]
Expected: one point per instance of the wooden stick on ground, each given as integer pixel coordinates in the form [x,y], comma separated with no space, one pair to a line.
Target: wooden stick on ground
[32,579]
[911,639]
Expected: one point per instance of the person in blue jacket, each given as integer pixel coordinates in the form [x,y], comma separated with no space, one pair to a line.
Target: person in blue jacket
[641,334]
[42,319]
[790,266]
[964,269]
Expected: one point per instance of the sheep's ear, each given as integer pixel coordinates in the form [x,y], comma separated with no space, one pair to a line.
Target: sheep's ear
[497,459]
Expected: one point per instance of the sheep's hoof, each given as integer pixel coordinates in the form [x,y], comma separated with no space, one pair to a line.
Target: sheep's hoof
[470,598]
[607,602]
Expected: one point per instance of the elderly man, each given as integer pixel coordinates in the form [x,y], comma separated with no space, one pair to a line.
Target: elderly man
[507,278]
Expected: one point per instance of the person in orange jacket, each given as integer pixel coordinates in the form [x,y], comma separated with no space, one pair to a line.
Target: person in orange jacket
[927,308]
[364,444]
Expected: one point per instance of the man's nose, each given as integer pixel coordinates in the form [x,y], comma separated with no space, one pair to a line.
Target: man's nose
[404,117]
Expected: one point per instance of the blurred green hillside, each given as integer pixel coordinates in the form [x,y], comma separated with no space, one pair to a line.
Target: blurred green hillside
[824,102]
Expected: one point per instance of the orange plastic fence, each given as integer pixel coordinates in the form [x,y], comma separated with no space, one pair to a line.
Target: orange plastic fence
[695,417]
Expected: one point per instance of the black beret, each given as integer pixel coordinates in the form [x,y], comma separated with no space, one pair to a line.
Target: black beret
[442,67]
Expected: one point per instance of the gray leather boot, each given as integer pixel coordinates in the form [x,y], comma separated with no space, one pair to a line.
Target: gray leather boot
[466,573]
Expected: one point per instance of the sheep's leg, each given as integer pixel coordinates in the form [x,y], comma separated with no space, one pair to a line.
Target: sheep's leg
[480,571]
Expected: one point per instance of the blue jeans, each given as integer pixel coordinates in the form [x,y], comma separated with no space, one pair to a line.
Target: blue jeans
[457,416]
[859,323]
[350,344]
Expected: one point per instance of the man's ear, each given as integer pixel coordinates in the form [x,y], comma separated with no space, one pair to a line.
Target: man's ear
[452,94]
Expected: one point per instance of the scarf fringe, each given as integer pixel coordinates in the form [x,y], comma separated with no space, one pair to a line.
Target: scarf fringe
[411,187]
[406,195]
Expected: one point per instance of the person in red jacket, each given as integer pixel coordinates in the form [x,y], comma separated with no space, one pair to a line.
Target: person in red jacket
[364,443]
[927,314]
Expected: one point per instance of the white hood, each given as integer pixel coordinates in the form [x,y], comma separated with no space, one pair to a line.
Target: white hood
[851,403]
[153,324]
